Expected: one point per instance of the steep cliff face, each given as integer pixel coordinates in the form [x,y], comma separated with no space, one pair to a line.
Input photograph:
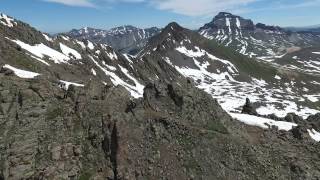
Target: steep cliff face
[73,109]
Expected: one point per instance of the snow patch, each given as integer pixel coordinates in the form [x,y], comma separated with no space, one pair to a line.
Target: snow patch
[314,135]
[83,46]
[67,51]
[228,24]
[277,77]
[112,55]
[135,91]
[66,38]
[262,122]
[191,53]
[66,84]
[41,50]
[312,98]
[47,37]
[93,72]
[90,45]
[7,21]
[238,23]
[22,73]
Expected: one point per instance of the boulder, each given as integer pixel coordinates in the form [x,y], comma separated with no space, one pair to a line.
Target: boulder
[314,121]
[248,108]
[292,117]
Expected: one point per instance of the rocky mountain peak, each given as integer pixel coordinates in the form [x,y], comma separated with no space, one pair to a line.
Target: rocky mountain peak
[229,22]
[173,27]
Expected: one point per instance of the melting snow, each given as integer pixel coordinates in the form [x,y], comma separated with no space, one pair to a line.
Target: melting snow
[47,37]
[93,72]
[7,21]
[40,60]
[41,50]
[312,98]
[228,24]
[128,58]
[138,90]
[135,91]
[231,94]
[277,77]
[83,46]
[67,51]
[22,73]
[238,23]
[191,53]
[66,38]
[112,55]
[314,135]
[266,123]
[262,122]
[67,84]
[90,45]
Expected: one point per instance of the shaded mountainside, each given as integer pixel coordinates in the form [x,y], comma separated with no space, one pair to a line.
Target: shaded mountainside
[126,39]
[72,109]
[256,40]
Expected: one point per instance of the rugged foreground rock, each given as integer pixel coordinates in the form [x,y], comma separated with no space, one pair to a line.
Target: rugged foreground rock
[173,132]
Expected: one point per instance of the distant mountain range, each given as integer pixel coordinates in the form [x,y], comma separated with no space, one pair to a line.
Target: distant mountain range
[314,28]
[126,39]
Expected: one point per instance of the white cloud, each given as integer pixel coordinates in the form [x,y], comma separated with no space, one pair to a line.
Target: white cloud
[185,7]
[200,7]
[82,3]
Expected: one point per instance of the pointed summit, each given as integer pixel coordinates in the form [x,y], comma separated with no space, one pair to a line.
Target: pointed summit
[173,26]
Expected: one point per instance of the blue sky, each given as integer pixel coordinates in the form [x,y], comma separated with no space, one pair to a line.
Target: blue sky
[62,15]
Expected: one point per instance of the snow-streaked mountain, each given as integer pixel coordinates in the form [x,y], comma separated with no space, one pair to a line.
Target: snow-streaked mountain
[126,39]
[231,77]
[256,40]
[76,109]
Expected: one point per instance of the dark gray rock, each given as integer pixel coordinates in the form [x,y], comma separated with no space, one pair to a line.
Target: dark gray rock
[314,121]
[248,108]
[292,117]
